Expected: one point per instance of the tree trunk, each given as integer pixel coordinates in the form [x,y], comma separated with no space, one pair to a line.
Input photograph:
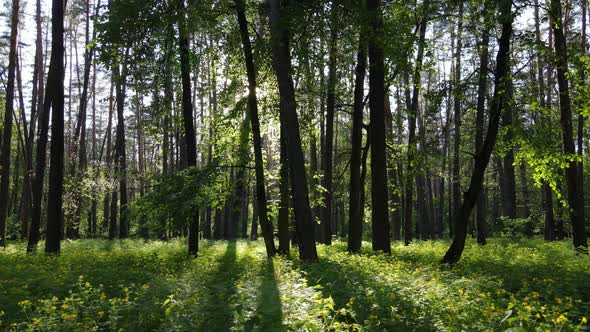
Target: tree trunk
[457,95]
[412,141]
[121,157]
[498,103]
[329,143]
[509,178]
[355,222]
[284,194]
[261,207]
[482,94]
[304,222]
[56,170]
[575,192]
[187,116]
[7,128]
[380,215]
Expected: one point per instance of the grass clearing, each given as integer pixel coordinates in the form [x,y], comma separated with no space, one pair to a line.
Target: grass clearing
[154,286]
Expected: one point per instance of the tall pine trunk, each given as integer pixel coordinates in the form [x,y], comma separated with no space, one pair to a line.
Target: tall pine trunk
[56,170]
[574,190]
[260,206]
[355,222]
[187,116]
[412,139]
[482,93]
[304,222]
[380,215]
[7,128]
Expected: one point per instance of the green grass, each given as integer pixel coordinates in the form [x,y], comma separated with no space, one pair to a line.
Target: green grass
[153,286]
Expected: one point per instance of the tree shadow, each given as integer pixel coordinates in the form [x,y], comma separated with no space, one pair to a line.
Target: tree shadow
[217,311]
[364,297]
[269,311]
[515,275]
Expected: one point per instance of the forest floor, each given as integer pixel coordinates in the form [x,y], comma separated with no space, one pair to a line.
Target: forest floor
[134,285]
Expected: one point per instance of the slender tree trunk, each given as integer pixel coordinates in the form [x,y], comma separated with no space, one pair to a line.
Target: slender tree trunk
[304,222]
[284,194]
[261,207]
[187,116]
[412,141]
[107,199]
[457,96]
[121,157]
[329,143]
[380,215]
[482,93]
[24,206]
[575,192]
[355,222]
[56,170]
[498,103]
[7,128]
[509,178]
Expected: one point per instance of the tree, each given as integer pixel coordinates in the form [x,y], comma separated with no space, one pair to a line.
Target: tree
[482,93]
[328,151]
[260,205]
[457,98]
[412,141]
[187,116]
[55,91]
[380,218]
[304,223]
[120,77]
[497,106]
[355,223]
[7,128]
[574,191]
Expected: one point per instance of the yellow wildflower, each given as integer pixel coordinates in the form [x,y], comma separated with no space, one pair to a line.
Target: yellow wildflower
[64,306]
[53,308]
[102,296]
[538,315]
[24,302]
[561,319]
[584,320]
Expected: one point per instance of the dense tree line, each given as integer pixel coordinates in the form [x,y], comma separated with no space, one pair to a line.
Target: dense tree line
[376,120]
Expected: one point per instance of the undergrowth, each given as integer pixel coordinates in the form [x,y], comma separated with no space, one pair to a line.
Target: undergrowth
[132,285]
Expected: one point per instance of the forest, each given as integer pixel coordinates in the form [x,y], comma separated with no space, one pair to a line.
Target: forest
[294,165]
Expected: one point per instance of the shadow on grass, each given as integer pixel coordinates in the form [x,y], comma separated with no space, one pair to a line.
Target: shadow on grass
[269,311]
[552,274]
[372,302]
[217,310]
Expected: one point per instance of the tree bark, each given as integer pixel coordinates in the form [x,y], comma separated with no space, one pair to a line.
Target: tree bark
[304,222]
[482,93]
[457,96]
[355,222]
[8,118]
[328,151]
[56,170]
[498,103]
[261,205]
[121,157]
[575,192]
[380,215]
[412,140]
[187,116]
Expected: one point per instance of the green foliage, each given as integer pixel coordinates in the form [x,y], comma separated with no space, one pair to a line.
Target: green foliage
[526,285]
[86,307]
[175,197]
